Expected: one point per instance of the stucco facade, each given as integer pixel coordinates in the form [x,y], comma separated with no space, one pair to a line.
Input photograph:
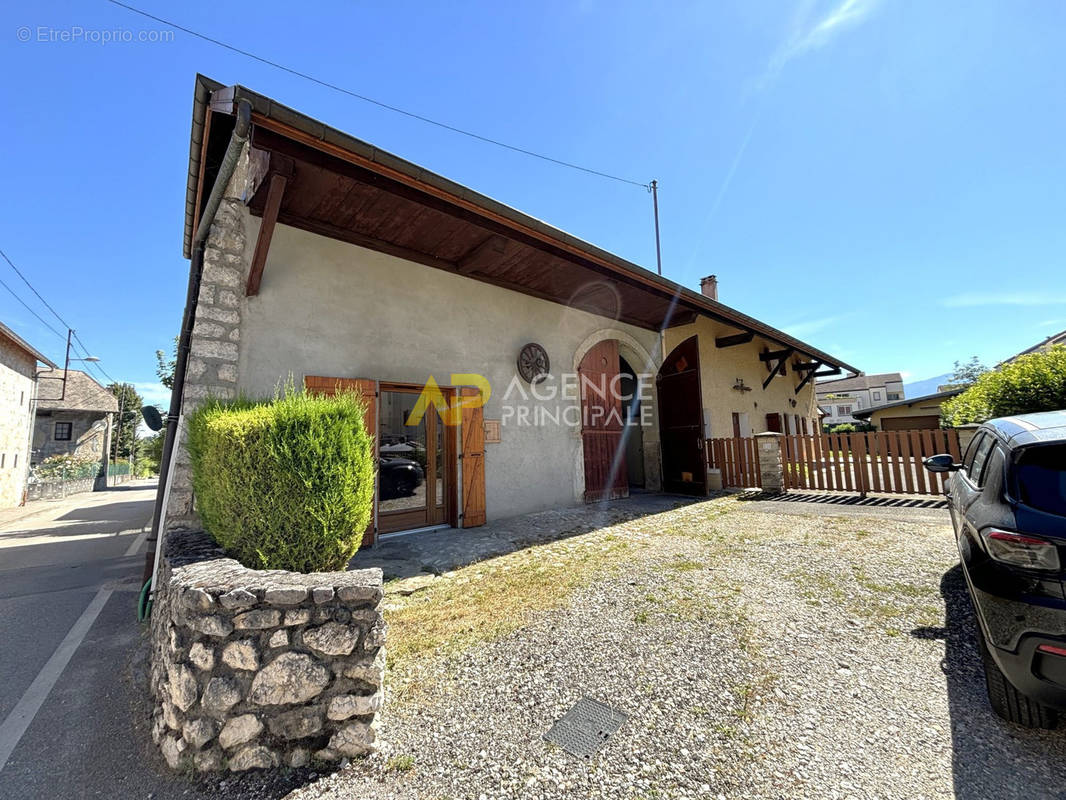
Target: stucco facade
[724,369]
[17,384]
[330,308]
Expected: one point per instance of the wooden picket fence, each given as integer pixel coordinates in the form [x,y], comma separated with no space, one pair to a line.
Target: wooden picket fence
[737,458]
[886,462]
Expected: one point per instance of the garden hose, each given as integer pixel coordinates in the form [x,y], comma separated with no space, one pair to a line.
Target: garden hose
[144,604]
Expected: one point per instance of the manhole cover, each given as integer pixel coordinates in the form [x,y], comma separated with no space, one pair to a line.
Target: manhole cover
[585,728]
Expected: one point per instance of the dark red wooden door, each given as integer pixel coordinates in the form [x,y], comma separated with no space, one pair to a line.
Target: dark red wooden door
[681,420]
[602,424]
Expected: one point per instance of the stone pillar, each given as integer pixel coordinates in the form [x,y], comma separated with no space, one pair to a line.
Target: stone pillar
[966,434]
[214,358]
[771,462]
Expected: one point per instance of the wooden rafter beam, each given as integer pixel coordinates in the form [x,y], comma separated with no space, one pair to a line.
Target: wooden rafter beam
[275,193]
[804,365]
[775,355]
[682,318]
[781,356]
[810,369]
[493,249]
[735,339]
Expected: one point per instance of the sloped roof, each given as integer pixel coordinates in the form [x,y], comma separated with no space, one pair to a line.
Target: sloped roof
[550,251]
[1056,338]
[18,340]
[858,382]
[82,394]
[938,397]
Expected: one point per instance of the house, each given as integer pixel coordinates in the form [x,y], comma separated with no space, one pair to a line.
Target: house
[842,397]
[518,366]
[1039,347]
[74,417]
[18,386]
[918,413]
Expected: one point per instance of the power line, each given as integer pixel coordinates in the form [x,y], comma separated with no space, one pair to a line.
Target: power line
[85,350]
[379,103]
[39,317]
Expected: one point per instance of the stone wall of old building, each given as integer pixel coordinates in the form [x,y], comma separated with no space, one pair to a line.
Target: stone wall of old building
[17,383]
[258,669]
[212,369]
[89,435]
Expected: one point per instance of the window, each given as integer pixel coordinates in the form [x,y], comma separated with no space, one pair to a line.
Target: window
[877,397]
[843,411]
[63,431]
[979,458]
[3,458]
[894,396]
[1040,473]
[22,399]
[16,460]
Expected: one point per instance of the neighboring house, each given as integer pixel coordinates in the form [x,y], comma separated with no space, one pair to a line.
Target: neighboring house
[918,413]
[1039,347]
[341,265]
[18,385]
[842,397]
[74,418]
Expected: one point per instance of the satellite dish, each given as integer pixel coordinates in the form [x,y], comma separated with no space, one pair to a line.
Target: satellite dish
[152,418]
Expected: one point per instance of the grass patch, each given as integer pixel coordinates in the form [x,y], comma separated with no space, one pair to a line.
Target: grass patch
[488,600]
[400,763]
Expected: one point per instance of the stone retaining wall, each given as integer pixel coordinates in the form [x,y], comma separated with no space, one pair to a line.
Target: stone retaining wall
[54,490]
[256,669]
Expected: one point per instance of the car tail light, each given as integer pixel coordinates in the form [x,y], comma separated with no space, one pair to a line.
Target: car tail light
[1054,650]
[1021,550]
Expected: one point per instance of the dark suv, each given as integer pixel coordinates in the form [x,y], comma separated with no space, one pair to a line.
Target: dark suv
[1008,507]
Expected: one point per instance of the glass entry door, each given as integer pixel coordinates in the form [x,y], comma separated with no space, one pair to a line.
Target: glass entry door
[414,474]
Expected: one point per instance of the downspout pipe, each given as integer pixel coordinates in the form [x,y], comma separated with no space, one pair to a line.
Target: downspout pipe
[192,296]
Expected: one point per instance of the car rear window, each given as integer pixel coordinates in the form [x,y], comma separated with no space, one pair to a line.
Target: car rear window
[1040,473]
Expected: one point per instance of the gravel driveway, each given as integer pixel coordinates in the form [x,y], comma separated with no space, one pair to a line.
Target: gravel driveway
[760,650]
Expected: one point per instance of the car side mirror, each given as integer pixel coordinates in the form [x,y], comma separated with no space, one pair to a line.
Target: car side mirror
[941,463]
[152,417]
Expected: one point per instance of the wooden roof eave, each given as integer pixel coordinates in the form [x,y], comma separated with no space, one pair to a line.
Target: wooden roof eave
[288,123]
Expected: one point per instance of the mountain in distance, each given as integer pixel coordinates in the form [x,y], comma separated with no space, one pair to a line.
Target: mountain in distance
[928,386]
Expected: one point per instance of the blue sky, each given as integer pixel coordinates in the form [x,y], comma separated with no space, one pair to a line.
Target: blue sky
[886,180]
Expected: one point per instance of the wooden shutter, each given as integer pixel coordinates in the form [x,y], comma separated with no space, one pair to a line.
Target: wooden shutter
[368,389]
[473,461]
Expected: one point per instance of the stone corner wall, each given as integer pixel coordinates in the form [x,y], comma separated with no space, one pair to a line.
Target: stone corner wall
[215,348]
[258,669]
[771,462]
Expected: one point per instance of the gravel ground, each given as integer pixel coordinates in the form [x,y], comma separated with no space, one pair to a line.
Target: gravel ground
[758,654]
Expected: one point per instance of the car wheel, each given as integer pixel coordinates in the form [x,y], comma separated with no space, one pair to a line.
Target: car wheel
[1008,702]
[405,487]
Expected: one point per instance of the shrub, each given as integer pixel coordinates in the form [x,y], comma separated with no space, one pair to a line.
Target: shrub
[67,467]
[284,484]
[1036,382]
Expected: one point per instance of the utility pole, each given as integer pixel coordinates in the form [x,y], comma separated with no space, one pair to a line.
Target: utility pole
[66,366]
[655,206]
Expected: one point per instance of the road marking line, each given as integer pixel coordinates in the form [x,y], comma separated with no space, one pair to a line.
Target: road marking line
[30,703]
[133,548]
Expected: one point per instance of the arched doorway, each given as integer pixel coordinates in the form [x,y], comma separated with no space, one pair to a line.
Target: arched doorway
[681,420]
[602,423]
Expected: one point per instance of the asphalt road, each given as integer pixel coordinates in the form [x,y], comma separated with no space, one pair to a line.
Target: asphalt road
[74,705]
[69,578]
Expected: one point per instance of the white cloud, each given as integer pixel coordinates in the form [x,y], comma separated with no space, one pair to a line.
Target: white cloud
[807,327]
[154,394]
[806,36]
[1036,298]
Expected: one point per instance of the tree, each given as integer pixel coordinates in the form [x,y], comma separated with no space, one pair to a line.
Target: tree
[966,374]
[1036,382]
[164,368]
[149,454]
[125,430]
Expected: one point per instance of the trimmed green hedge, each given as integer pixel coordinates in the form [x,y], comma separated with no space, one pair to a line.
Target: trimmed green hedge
[284,484]
[1036,382]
